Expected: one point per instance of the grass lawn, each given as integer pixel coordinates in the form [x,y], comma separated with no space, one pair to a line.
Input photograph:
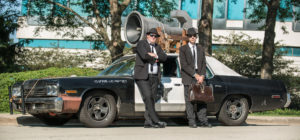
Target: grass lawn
[278,112]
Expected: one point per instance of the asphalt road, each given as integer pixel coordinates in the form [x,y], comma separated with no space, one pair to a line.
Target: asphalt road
[251,132]
[133,130]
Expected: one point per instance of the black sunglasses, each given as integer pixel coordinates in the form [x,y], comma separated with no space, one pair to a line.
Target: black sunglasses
[194,35]
[154,35]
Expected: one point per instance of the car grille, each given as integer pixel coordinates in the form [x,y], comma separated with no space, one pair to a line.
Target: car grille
[37,91]
[36,87]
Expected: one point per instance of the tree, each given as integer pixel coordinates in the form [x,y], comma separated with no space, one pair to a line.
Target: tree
[269,10]
[8,25]
[205,25]
[100,15]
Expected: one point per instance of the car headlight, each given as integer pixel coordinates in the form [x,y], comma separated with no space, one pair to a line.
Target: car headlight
[16,91]
[52,90]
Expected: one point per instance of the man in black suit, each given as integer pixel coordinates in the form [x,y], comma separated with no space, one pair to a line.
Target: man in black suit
[193,69]
[147,75]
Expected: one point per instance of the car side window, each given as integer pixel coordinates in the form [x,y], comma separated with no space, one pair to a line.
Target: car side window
[169,67]
[120,68]
[208,73]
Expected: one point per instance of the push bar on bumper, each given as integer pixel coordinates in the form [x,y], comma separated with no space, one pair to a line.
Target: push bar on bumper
[11,110]
[23,101]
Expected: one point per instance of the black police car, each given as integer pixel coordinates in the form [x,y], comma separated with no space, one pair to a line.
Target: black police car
[97,101]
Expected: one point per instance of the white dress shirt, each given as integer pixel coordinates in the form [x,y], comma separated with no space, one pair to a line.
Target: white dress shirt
[155,67]
[194,47]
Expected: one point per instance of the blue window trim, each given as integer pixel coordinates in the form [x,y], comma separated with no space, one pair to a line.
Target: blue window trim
[289,51]
[67,44]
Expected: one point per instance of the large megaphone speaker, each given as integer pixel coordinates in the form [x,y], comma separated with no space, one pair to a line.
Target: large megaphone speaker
[136,27]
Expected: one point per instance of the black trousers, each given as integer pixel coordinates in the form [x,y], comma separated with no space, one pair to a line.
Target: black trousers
[148,89]
[199,107]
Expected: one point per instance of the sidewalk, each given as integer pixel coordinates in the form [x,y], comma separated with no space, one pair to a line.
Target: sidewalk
[19,119]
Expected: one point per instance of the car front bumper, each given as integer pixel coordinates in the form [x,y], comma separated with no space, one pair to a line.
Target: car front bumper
[63,104]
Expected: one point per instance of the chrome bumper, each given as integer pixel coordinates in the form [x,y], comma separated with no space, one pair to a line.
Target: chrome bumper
[288,100]
[40,105]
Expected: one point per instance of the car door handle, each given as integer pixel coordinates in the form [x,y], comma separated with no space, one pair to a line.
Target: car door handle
[177,84]
[219,86]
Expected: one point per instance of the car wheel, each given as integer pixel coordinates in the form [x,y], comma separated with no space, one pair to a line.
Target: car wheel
[98,110]
[234,111]
[52,120]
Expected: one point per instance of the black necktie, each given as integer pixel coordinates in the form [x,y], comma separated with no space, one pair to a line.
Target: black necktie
[151,68]
[194,54]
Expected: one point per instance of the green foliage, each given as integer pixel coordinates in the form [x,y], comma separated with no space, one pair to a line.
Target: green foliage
[278,112]
[7,79]
[42,58]
[295,104]
[8,25]
[152,8]
[257,10]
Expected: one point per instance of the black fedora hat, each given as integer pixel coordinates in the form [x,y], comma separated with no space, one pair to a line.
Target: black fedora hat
[191,31]
[154,31]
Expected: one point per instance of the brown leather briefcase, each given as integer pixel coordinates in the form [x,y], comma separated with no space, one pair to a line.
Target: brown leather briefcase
[202,93]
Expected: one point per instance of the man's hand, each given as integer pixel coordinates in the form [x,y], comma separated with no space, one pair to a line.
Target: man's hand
[199,78]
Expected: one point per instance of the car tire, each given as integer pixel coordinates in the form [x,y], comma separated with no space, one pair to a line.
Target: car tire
[234,111]
[98,110]
[52,120]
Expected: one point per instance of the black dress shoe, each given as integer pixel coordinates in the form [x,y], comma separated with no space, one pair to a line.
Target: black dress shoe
[150,126]
[161,124]
[193,125]
[208,125]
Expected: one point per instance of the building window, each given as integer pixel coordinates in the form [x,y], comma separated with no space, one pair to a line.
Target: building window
[290,51]
[235,9]
[219,14]
[287,51]
[42,43]
[296,24]
[67,44]
[191,7]
[219,9]
[283,5]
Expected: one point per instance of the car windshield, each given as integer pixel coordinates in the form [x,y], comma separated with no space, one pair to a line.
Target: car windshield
[121,67]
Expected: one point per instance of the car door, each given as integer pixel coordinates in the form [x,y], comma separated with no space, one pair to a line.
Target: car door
[170,96]
[219,90]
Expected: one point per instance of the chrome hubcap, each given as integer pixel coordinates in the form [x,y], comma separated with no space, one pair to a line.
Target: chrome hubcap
[98,108]
[234,109]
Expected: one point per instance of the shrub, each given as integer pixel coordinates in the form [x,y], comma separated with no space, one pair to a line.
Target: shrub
[7,79]
[42,58]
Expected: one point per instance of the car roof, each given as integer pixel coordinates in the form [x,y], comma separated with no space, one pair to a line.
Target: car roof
[217,67]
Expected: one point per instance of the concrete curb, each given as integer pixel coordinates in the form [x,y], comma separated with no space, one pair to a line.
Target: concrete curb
[19,119]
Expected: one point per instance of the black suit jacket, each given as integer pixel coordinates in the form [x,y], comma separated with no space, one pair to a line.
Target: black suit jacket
[143,59]
[188,65]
